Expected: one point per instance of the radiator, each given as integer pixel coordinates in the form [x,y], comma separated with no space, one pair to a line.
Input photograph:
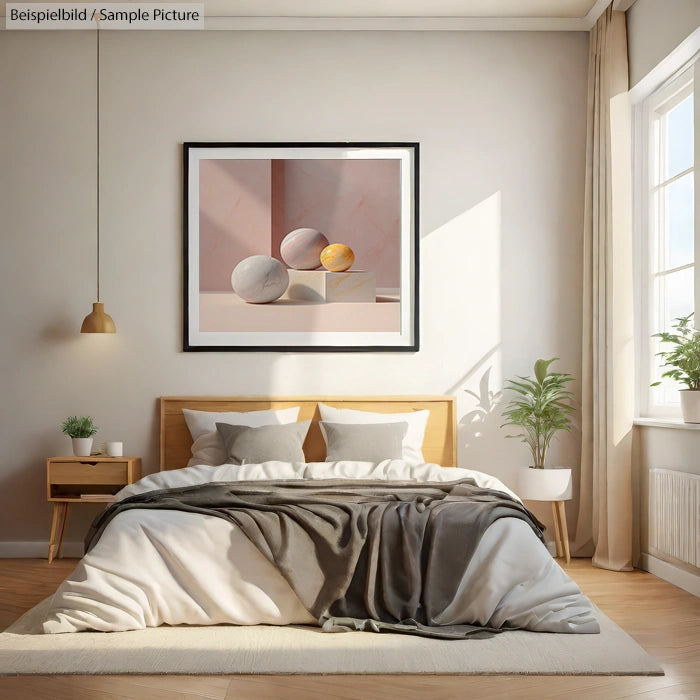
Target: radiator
[674,514]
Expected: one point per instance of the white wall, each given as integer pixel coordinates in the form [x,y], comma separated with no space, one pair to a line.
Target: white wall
[500,118]
[654,29]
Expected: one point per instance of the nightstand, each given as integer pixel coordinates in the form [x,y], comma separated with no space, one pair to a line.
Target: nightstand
[84,480]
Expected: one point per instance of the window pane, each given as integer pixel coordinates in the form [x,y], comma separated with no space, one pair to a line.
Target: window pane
[667,154]
[667,393]
[679,138]
[680,246]
[675,292]
[676,296]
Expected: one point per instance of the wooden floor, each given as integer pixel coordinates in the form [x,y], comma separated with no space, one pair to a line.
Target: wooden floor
[664,619]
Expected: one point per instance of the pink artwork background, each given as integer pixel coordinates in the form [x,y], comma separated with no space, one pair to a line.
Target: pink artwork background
[234,217]
[247,207]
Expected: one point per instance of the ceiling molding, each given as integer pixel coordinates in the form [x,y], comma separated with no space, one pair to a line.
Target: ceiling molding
[622,5]
[396,15]
[387,24]
[399,24]
[595,12]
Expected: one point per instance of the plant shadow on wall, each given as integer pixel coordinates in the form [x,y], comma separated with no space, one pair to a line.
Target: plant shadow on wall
[479,426]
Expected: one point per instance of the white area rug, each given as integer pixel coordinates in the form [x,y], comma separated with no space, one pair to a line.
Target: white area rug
[265,649]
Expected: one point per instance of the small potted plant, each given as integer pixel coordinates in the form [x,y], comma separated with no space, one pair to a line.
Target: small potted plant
[683,361]
[80,429]
[541,407]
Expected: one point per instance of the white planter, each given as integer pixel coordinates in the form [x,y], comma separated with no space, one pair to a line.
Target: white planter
[82,447]
[544,484]
[690,405]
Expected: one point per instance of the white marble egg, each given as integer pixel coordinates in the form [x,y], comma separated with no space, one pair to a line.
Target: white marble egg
[260,279]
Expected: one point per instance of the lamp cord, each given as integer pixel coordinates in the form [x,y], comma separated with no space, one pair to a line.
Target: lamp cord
[98,158]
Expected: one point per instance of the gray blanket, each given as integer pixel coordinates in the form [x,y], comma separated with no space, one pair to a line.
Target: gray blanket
[368,555]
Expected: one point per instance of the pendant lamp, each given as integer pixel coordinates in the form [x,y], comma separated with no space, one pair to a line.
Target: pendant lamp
[98,321]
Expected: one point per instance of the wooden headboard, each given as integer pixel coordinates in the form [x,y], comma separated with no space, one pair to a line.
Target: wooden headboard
[439,444]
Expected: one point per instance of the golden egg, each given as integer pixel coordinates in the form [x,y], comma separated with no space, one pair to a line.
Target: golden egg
[337,257]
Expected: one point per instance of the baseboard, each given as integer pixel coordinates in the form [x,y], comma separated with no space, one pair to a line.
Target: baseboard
[673,574]
[37,550]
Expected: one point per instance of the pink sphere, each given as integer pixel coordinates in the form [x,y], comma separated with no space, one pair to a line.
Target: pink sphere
[301,248]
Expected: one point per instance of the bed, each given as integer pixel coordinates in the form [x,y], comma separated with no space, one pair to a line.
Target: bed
[343,512]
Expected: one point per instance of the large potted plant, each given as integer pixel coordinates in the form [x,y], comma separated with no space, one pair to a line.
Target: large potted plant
[683,361]
[80,430]
[542,406]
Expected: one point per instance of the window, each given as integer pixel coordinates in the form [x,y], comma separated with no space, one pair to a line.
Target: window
[666,206]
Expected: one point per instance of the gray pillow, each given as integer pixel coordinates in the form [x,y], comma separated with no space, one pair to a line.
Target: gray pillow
[245,445]
[363,442]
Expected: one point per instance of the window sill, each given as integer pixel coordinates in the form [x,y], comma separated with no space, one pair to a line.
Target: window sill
[676,424]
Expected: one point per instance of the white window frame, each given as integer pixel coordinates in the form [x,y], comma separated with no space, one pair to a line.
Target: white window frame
[661,100]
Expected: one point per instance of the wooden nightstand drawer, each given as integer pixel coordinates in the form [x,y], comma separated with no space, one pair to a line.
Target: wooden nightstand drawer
[69,478]
[86,473]
[84,480]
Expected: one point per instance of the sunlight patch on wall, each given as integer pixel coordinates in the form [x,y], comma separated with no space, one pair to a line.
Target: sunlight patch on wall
[461,308]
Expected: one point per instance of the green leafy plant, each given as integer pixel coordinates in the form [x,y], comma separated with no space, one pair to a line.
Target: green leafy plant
[684,358]
[542,407]
[79,427]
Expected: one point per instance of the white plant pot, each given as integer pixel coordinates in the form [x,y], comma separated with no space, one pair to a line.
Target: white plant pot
[82,447]
[544,484]
[690,405]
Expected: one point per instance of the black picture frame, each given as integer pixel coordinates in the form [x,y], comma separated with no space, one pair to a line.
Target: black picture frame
[212,322]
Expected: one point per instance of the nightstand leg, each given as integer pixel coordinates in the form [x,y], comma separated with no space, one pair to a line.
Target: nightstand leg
[557,530]
[564,529]
[54,523]
[64,517]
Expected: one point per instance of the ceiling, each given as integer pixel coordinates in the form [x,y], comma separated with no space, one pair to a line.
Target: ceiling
[435,14]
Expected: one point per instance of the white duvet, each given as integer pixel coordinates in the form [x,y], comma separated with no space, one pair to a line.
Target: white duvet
[154,567]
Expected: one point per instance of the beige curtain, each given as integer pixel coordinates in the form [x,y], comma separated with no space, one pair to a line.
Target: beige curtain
[604,526]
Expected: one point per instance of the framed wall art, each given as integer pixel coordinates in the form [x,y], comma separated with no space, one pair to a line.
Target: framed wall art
[301,247]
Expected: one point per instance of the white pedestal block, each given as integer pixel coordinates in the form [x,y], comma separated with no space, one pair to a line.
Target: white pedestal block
[324,286]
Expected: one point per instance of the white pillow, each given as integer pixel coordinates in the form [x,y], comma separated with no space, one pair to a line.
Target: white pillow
[412,442]
[208,447]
